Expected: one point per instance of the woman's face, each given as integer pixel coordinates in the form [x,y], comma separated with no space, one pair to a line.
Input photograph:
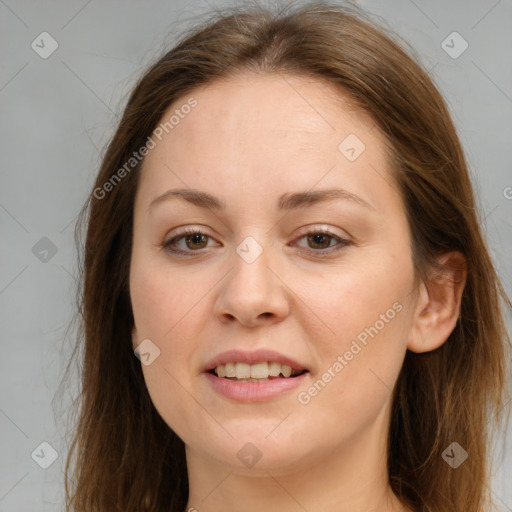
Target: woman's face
[322,281]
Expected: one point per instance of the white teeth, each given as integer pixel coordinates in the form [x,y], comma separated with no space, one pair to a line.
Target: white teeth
[259,371]
[274,369]
[230,369]
[243,371]
[286,370]
[255,371]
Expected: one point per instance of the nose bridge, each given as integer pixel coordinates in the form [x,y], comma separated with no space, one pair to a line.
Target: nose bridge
[251,273]
[251,289]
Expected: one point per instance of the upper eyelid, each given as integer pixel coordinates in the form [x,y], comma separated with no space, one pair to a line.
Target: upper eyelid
[322,228]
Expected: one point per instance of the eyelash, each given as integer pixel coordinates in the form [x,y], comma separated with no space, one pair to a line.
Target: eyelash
[342,243]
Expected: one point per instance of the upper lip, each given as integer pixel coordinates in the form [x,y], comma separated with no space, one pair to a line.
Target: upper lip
[256,356]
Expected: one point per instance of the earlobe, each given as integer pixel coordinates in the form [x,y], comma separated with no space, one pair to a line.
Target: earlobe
[438,304]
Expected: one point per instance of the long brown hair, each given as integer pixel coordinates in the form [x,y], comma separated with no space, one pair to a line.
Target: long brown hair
[123,456]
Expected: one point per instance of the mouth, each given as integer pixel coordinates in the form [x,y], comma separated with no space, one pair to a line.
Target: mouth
[263,371]
[260,375]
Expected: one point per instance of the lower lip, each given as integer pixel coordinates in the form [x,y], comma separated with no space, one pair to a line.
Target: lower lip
[253,391]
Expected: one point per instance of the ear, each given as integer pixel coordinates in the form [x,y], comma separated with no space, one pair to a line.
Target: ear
[438,305]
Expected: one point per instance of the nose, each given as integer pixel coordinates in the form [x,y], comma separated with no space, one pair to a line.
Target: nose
[253,292]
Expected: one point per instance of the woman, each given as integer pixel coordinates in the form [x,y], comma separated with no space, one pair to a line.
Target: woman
[284,232]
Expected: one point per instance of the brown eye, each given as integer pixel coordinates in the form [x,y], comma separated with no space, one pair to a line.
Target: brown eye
[320,243]
[196,241]
[320,240]
[190,241]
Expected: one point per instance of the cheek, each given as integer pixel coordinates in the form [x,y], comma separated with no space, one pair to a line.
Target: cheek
[346,300]
[355,383]
[165,315]
[165,306]
[364,316]
[162,310]
[159,298]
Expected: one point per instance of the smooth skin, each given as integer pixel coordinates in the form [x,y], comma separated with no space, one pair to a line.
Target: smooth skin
[251,139]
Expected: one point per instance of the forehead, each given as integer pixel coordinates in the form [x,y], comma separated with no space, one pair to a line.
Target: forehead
[255,134]
[299,108]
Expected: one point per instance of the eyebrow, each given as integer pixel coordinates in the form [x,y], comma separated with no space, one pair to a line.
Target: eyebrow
[288,201]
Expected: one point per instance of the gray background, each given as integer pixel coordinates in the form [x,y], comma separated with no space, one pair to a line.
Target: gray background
[58,113]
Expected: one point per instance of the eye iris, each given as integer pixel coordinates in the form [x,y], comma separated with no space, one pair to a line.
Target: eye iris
[319,238]
[196,238]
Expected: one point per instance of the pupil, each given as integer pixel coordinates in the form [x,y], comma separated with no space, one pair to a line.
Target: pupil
[320,238]
[196,238]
